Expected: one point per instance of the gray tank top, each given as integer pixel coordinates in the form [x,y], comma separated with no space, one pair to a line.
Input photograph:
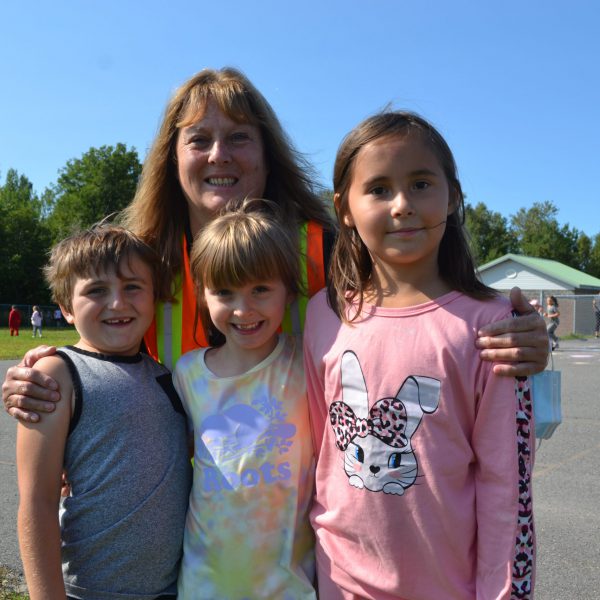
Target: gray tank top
[127,461]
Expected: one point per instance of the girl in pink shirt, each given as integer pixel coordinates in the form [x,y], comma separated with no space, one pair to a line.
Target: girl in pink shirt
[424,455]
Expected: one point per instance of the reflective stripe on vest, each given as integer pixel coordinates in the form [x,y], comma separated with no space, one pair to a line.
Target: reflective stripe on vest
[312,275]
[177,327]
[168,338]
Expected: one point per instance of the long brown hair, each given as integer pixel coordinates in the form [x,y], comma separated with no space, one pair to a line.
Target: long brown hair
[351,264]
[158,213]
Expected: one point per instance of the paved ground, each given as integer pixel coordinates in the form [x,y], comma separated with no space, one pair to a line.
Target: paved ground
[566,484]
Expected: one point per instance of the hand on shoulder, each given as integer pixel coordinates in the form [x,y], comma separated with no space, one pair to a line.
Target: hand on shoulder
[519,345]
[27,391]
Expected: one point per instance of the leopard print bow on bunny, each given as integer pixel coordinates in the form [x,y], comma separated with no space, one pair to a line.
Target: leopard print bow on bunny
[387,421]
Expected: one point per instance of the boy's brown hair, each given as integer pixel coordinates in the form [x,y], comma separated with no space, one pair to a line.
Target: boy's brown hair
[102,247]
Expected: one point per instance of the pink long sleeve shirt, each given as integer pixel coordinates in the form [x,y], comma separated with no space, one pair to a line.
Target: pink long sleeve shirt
[424,456]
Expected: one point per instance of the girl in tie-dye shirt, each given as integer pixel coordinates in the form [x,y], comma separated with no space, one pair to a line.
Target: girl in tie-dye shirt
[247,532]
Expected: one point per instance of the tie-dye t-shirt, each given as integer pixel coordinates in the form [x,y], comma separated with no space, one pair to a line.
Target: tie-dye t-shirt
[247,532]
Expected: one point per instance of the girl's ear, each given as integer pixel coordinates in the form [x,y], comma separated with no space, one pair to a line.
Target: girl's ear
[452,201]
[69,318]
[337,199]
[347,218]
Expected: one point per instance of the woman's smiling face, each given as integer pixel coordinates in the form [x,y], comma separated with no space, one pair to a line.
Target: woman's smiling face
[218,160]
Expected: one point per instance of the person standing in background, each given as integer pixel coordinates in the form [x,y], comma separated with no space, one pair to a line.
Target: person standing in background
[596,305]
[36,321]
[552,314]
[14,320]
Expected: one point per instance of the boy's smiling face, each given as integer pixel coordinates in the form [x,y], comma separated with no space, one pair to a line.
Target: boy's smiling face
[110,312]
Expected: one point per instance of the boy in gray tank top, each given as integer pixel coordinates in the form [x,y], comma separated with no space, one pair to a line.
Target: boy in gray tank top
[120,433]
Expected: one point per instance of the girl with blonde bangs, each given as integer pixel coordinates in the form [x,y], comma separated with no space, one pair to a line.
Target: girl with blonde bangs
[247,531]
[246,243]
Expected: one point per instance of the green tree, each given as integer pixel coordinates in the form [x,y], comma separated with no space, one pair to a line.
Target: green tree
[584,250]
[327,197]
[25,241]
[489,234]
[538,233]
[101,182]
[594,264]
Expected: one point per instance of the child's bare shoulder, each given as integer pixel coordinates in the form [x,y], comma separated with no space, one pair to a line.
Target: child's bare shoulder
[56,367]
[53,365]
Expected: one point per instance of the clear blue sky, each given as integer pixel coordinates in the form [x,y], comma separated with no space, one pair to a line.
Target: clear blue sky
[514,85]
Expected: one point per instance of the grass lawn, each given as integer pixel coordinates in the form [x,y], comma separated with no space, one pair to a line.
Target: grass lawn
[15,347]
[12,586]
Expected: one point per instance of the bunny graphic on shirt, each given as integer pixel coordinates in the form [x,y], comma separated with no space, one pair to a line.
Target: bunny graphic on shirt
[378,453]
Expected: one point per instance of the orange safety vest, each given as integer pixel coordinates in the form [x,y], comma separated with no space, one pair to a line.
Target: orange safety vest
[177,328]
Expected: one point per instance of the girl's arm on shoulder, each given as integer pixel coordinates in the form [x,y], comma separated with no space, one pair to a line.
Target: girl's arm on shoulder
[519,345]
[40,453]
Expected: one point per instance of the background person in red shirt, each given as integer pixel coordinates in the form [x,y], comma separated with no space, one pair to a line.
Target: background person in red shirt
[14,320]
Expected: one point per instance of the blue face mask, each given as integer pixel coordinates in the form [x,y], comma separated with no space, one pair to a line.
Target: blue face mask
[546,402]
